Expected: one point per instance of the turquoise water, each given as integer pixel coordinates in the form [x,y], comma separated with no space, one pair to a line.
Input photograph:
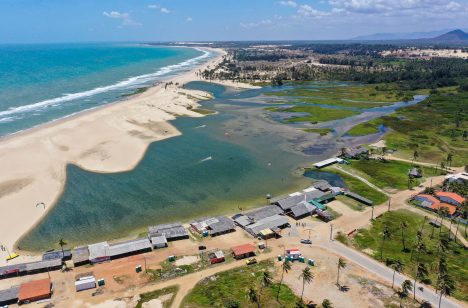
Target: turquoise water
[41,83]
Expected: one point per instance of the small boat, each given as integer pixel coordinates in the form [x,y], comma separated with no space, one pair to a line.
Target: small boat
[12,256]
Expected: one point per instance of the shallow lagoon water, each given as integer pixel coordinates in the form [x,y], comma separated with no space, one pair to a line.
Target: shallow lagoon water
[220,163]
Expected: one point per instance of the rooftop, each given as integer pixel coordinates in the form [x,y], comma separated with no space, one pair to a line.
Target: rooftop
[34,289]
[243,249]
[271,222]
[9,294]
[302,208]
[451,208]
[263,212]
[129,246]
[173,230]
[451,195]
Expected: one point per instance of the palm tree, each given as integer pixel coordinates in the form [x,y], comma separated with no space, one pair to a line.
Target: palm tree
[253,296]
[420,248]
[434,224]
[449,159]
[403,227]
[442,268]
[286,267]
[419,236]
[327,304]
[307,277]
[62,243]
[410,181]
[446,285]
[443,213]
[415,156]
[386,235]
[266,281]
[442,167]
[341,265]
[444,243]
[421,274]
[406,287]
[384,150]
[397,266]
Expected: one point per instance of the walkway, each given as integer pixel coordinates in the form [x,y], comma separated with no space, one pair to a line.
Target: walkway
[354,175]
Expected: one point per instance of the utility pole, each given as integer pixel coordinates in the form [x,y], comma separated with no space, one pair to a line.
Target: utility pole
[309,232]
[144,258]
[331,232]
[389,199]
[372,217]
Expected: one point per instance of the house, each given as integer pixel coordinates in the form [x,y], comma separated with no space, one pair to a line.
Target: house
[358,198]
[128,248]
[415,172]
[172,232]
[273,222]
[80,256]
[355,153]
[159,241]
[451,208]
[322,185]
[9,296]
[324,215]
[263,212]
[216,257]
[242,220]
[458,177]
[214,225]
[85,283]
[450,197]
[302,210]
[266,234]
[243,251]
[426,200]
[294,199]
[59,254]
[34,291]
[98,252]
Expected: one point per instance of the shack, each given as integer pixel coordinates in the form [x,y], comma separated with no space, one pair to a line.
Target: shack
[34,291]
[324,215]
[98,252]
[43,266]
[358,198]
[12,270]
[172,232]
[85,283]
[216,257]
[9,296]
[129,248]
[243,251]
[159,241]
[290,201]
[327,162]
[273,222]
[302,210]
[80,256]
[263,212]
[355,153]
[57,254]
[214,225]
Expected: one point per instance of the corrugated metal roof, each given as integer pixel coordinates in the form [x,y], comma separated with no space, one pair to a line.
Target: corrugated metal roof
[263,212]
[98,250]
[358,197]
[271,222]
[158,240]
[34,289]
[129,247]
[9,294]
[43,265]
[80,254]
[174,230]
[302,208]
[56,254]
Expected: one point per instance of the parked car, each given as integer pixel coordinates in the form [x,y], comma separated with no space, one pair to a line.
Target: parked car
[251,261]
[201,247]
[304,241]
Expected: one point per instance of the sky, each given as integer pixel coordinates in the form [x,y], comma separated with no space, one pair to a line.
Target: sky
[47,21]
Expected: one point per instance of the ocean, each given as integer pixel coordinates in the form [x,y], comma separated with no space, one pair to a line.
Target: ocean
[43,83]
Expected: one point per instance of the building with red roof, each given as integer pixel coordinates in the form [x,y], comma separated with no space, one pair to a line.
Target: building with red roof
[451,208]
[449,197]
[34,291]
[426,200]
[243,251]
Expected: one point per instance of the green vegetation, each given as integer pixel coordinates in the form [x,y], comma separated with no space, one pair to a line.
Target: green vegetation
[366,128]
[424,250]
[204,111]
[315,114]
[137,91]
[388,174]
[351,203]
[146,297]
[357,186]
[320,131]
[231,289]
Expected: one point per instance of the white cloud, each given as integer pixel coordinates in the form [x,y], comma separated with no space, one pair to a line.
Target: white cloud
[125,17]
[189,19]
[308,11]
[289,3]
[250,25]
[165,10]
[153,6]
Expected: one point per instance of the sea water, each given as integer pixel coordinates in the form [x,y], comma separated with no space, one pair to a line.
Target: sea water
[42,83]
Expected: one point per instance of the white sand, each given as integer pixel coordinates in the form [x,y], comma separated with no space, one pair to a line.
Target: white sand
[112,138]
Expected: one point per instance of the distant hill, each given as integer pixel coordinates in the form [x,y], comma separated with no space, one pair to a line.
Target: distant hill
[400,36]
[455,35]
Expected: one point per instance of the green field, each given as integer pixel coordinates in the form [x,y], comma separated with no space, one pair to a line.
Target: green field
[146,297]
[320,131]
[456,256]
[366,128]
[229,289]
[434,128]
[357,186]
[390,174]
[315,114]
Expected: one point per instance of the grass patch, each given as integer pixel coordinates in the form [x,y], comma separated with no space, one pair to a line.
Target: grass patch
[314,114]
[366,128]
[229,288]
[204,111]
[457,256]
[351,203]
[146,297]
[357,186]
[320,131]
[390,174]
[342,238]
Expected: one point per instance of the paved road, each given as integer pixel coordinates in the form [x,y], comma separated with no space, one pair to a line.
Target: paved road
[386,273]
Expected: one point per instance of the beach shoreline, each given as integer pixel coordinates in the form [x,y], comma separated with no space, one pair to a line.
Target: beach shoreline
[112,138]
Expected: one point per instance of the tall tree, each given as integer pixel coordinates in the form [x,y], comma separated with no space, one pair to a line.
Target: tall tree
[410,181]
[341,265]
[306,276]
[326,303]
[406,287]
[386,235]
[285,267]
[443,213]
[403,227]
[415,156]
[397,266]
[253,296]
[266,281]
[62,243]
[421,274]
[419,238]
[446,286]
[449,159]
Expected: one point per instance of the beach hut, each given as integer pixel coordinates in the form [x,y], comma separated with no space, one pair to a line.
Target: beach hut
[293,254]
[98,252]
[9,296]
[43,266]
[34,291]
[272,222]
[243,251]
[128,248]
[302,210]
[80,256]
[172,232]
[216,257]
[85,283]
[159,241]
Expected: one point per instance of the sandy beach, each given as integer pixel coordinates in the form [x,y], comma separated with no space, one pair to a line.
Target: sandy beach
[112,138]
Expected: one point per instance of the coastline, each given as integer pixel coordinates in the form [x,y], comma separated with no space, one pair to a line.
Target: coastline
[112,138]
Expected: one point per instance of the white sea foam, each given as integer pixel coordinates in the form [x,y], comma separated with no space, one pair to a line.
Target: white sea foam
[130,82]
[206,159]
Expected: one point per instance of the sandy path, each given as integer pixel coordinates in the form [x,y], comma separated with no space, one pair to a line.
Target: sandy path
[354,175]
